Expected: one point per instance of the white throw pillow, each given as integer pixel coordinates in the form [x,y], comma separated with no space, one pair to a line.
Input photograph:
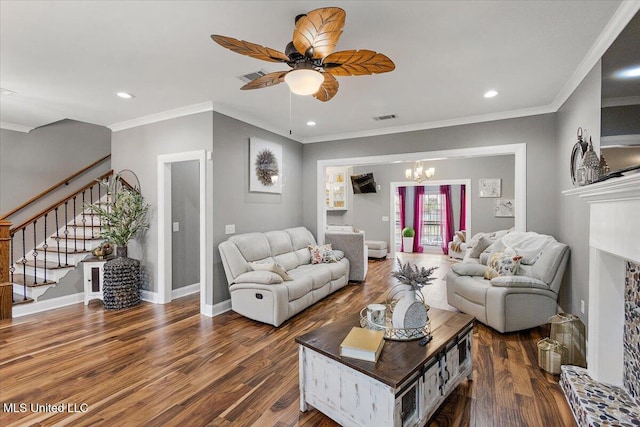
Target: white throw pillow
[273,267]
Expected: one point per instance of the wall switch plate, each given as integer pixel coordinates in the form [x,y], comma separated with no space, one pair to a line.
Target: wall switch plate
[582,306]
[385,219]
[176,226]
[229,229]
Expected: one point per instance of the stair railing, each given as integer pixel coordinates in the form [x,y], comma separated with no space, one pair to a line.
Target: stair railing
[24,238]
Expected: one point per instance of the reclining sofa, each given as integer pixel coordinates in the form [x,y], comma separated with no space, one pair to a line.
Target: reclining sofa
[271,276]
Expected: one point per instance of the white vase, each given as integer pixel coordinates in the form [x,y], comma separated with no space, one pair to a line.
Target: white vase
[407,244]
[409,313]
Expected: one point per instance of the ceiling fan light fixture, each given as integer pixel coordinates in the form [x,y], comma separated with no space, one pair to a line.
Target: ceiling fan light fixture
[304,82]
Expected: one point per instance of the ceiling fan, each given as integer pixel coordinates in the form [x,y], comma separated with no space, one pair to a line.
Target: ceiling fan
[311,57]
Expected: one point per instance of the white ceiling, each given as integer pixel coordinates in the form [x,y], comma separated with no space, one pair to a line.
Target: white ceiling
[66,59]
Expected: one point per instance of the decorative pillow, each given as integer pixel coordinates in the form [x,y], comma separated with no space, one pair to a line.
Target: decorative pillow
[273,267]
[338,254]
[261,277]
[502,265]
[482,244]
[322,254]
[518,282]
[468,269]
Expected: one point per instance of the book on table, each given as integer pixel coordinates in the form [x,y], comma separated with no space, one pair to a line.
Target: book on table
[363,344]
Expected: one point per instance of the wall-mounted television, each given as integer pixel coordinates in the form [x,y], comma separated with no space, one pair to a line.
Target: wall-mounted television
[363,183]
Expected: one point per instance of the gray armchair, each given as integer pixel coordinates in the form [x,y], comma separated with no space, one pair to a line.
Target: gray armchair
[352,244]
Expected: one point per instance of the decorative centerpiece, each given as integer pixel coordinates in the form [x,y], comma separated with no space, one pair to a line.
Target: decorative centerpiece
[104,250]
[122,218]
[406,311]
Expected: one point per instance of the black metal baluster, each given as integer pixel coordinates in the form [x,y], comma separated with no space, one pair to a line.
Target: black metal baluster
[12,267]
[58,238]
[75,227]
[35,255]
[84,226]
[66,234]
[91,199]
[24,263]
[44,247]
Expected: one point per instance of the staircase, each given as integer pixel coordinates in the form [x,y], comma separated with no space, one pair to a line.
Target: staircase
[42,268]
[37,253]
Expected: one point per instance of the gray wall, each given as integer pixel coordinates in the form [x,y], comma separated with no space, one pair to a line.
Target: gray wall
[185,210]
[234,204]
[582,109]
[366,210]
[138,149]
[538,132]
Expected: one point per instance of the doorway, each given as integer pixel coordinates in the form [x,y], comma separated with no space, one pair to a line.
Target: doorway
[180,163]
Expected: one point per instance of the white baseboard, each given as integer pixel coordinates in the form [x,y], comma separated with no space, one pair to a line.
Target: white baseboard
[185,290]
[217,309]
[149,296]
[48,304]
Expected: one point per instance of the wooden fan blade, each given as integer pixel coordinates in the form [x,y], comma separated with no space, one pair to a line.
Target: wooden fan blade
[317,33]
[357,63]
[328,88]
[250,49]
[267,80]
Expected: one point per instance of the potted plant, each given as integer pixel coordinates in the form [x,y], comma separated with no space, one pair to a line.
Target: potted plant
[408,234]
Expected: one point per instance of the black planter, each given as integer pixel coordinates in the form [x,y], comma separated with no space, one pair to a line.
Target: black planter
[121,285]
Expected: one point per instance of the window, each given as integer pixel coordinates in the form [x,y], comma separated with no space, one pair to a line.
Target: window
[431,222]
[398,232]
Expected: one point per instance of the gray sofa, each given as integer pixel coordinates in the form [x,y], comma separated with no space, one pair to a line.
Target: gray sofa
[264,295]
[510,303]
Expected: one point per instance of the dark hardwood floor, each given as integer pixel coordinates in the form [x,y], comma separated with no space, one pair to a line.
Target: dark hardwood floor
[166,365]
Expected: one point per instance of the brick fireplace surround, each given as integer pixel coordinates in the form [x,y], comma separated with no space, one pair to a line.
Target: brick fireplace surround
[608,391]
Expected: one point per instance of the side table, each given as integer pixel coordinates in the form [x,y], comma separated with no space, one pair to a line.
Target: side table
[93,268]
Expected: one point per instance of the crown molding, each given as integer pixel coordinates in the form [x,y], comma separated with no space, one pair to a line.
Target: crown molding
[15,127]
[620,102]
[159,117]
[433,125]
[614,27]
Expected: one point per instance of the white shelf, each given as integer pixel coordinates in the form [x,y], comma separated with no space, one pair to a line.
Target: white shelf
[614,189]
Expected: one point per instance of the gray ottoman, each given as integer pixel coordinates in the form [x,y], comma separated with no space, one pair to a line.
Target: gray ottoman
[377,248]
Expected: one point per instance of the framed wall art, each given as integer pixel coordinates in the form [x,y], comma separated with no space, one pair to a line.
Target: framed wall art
[265,166]
[490,187]
[504,208]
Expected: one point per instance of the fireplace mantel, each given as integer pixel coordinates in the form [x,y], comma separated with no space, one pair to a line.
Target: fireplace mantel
[612,190]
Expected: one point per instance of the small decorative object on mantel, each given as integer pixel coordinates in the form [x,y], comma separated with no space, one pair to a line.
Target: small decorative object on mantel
[604,166]
[591,165]
[577,152]
[122,218]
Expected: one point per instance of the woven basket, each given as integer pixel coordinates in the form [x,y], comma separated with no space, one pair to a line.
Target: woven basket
[121,285]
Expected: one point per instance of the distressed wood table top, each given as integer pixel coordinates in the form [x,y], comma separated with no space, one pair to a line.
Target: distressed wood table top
[399,360]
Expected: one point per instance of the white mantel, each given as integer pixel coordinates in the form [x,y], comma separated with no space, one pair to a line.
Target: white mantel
[614,236]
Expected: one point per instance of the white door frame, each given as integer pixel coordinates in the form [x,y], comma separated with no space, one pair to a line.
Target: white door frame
[519,151]
[394,187]
[164,223]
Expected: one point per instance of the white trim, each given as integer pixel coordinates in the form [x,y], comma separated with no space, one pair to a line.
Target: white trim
[614,27]
[217,309]
[159,117]
[620,102]
[519,151]
[48,304]
[149,296]
[164,223]
[433,125]
[16,127]
[185,290]
[619,141]
[393,186]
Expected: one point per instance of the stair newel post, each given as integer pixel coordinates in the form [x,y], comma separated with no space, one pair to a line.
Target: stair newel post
[66,234]
[35,256]
[44,248]
[75,227]
[24,262]
[6,274]
[58,237]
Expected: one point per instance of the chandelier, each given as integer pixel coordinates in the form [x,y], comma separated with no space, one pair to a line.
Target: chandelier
[419,173]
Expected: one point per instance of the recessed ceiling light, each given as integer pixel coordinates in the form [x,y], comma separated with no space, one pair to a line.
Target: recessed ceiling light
[311,123]
[629,73]
[6,92]
[125,95]
[490,93]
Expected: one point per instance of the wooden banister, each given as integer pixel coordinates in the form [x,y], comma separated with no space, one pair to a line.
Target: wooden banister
[53,187]
[55,205]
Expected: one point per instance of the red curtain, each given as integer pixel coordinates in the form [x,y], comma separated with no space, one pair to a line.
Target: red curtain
[402,195]
[463,208]
[446,218]
[417,218]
